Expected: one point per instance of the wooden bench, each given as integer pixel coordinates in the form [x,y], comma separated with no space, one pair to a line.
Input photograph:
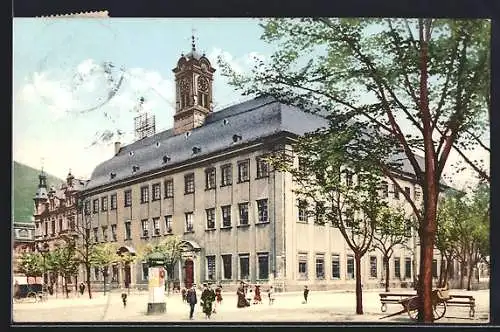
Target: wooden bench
[453,301]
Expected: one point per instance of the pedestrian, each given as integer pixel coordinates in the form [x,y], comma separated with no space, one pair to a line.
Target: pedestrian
[218,297]
[124,299]
[191,299]
[82,288]
[242,301]
[257,298]
[270,295]
[17,290]
[306,293]
[207,299]
[183,293]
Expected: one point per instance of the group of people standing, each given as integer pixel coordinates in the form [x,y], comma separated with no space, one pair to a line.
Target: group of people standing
[208,297]
[244,294]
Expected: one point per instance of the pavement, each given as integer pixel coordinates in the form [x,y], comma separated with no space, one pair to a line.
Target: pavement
[322,306]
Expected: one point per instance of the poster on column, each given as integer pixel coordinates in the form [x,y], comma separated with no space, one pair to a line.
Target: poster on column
[154,277]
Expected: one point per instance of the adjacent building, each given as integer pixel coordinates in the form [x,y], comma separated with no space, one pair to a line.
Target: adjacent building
[206,181]
[23,240]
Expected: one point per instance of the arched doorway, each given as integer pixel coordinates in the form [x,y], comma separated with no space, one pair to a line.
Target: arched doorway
[188,273]
[127,274]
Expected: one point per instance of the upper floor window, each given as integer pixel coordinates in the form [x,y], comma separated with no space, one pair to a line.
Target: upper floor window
[189,222]
[210,178]
[262,210]
[168,224]
[105,233]
[156,226]
[320,212]
[95,208]
[104,203]
[145,194]
[128,197]
[227,175]
[156,191]
[243,171]
[169,188]
[302,210]
[113,202]
[113,232]
[210,218]
[226,216]
[407,191]
[128,231]
[145,227]
[189,183]
[243,209]
[320,266]
[87,207]
[61,225]
[262,167]
[417,194]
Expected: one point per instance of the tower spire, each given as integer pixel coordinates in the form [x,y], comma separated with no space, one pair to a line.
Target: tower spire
[193,44]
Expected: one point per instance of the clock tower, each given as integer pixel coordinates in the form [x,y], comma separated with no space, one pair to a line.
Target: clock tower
[193,90]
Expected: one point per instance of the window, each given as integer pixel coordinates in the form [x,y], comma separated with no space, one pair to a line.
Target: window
[95,205]
[46,228]
[210,218]
[60,225]
[156,191]
[128,198]
[145,271]
[244,267]
[320,266]
[105,233]
[263,262]
[113,202]
[87,207]
[113,232]
[227,267]
[128,233]
[145,227]
[302,164]
[156,226]
[169,188]
[210,267]
[189,183]
[104,203]
[319,213]
[262,210]
[226,216]
[227,175]
[302,210]
[348,178]
[243,209]
[408,267]
[53,227]
[168,224]
[210,178]
[72,225]
[144,195]
[385,189]
[96,234]
[396,191]
[262,167]
[114,273]
[434,268]
[373,266]
[335,266]
[303,266]
[350,267]
[189,222]
[243,171]
[397,267]
[417,194]
[407,191]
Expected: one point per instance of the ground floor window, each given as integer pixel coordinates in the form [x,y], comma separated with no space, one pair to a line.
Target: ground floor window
[373,266]
[320,266]
[226,267]
[408,268]
[210,267]
[96,273]
[263,260]
[244,267]
[350,267]
[114,273]
[145,271]
[303,265]
[397,267]
[335,266]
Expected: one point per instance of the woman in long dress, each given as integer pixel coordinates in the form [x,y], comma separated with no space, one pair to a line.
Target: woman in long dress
[257,298]
[242,301]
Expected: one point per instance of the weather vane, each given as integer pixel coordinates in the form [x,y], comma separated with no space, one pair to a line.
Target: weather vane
[41,162]
[193,39]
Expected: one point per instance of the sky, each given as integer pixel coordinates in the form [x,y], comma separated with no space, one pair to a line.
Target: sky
[62,95]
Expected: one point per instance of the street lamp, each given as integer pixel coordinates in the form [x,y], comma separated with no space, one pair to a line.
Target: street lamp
[43,249]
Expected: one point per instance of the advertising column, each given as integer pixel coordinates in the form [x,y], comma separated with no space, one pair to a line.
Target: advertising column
[156,284]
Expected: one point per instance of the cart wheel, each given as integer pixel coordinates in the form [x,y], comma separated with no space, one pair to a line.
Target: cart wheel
[439,310]
[383,308]
[31,297]
[412,308]
[472,312]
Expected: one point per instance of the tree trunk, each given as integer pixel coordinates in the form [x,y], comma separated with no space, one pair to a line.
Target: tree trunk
[359,290]
[104,282]
[66,286]
[462,275]
[386,265]
[87,268]
[469,277]
[442,272]
[447,273]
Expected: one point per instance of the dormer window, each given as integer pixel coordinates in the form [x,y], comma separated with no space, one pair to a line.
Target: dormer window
[196,149]
[187,134]
[225,122]
[112,175]
[157,144]
[166,159]
[135,168]
[131,153]
[236,138]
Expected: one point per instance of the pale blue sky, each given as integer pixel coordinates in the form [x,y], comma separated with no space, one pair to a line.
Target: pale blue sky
[48,51]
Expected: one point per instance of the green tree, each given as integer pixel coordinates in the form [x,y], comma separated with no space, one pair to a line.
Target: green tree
[31,265]
[171,248]
[102,256]
[446,241]
[335,189]
[393,230]
[404,85]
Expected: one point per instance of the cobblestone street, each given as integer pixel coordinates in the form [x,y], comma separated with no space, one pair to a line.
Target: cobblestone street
[325,306]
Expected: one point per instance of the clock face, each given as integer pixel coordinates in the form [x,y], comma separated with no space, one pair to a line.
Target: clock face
[203,84]
[184,84]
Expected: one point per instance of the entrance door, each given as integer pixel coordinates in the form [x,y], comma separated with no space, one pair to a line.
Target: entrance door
[127,275]
[188,273]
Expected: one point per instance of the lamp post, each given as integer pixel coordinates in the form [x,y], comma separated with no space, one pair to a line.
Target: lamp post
[43,248]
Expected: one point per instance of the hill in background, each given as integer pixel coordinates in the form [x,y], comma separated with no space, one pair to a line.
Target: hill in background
[25,183]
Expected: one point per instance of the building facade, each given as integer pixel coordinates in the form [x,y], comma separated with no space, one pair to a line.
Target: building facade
[23,240]
[206,181]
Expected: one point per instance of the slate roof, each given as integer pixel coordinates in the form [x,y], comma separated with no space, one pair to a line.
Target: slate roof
[252,120]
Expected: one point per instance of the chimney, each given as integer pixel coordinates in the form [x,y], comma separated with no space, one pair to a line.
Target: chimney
[117,147]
